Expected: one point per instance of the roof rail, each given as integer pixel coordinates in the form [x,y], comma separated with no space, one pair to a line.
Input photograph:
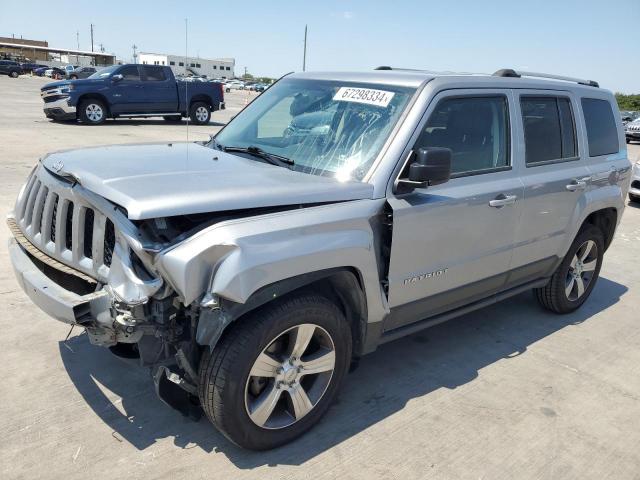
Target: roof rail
[509,72]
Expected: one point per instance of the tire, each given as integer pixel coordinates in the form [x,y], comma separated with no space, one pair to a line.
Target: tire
[228,392]
[14,74]
[200,113]
[562,294]
[73,77]
[634,198]
[92,112]
[227,90]
[172,118]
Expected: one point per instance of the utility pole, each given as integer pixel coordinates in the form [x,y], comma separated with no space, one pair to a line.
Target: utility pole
[245,72]
[78,44]
[92,37]
[135,55]
[304,54]
[101,47]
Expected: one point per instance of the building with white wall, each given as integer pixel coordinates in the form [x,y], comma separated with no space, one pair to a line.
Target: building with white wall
[209,67]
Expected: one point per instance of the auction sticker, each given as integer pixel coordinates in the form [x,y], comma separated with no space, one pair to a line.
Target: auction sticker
[370,96]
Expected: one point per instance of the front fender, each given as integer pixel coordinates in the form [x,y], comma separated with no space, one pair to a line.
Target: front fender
[234,259]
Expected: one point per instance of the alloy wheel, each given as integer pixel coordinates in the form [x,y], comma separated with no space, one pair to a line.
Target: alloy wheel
[290,376]
[581,270]
[202,114]
[94,112]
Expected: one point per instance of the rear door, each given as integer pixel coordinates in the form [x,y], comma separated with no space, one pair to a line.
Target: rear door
[128,94]
[555,178]
[452,243]
[161,94]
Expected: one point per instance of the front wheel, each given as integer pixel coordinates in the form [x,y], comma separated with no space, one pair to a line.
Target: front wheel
[92,112]
[14,74]
[574,279]
[200,113]
[274,374]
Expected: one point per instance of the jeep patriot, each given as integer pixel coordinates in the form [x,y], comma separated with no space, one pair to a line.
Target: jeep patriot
[336,212]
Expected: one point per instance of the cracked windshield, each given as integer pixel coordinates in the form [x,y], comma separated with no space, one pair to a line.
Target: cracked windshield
[319,127]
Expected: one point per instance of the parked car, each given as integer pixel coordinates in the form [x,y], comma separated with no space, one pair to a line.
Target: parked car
[30,67]
[80,72]
[233,85]
[260,87]
[131,91]
[56,73]
[629,116]
[632,131]
[40,71]
[250,272]
[11,68]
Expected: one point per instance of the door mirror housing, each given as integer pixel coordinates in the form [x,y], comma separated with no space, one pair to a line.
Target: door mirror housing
[429,166]
[116,78]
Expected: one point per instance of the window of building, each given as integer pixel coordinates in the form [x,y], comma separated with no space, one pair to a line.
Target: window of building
[549,129]
[602,133]
[144,62]
[228,68]
[181,64]
[192,65]
[172,63]
[154,74]
[198,65]
[476,129]
[214,67]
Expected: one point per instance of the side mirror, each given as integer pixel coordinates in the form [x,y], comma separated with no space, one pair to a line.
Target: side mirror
[116,78]
[430,166]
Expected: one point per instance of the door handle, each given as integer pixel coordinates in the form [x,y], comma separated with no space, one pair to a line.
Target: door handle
[579,184]
[502,200]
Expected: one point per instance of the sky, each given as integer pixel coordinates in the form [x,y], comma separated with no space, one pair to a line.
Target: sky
[591,39]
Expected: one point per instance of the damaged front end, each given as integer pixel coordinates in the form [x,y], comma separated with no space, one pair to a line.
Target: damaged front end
[82,261]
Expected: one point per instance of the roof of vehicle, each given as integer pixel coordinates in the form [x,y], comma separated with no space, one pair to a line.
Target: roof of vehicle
[415,78]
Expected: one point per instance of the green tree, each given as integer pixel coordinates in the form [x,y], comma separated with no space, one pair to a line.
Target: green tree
[628,102]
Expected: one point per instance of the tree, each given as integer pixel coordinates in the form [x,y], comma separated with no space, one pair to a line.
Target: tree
[628,102]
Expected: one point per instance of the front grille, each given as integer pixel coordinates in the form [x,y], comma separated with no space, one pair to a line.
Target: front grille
[61,224]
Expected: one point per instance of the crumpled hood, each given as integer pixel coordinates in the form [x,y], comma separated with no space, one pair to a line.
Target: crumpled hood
[160,180]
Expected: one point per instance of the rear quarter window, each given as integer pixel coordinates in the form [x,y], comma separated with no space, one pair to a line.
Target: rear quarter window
[602,134]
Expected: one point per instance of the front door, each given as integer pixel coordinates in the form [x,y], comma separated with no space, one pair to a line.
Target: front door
[452,243]
[128,94]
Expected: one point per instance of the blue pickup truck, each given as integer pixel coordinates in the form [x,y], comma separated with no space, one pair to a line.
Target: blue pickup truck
[131,91]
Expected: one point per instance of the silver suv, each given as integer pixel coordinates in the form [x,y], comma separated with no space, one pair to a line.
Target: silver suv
[337,212]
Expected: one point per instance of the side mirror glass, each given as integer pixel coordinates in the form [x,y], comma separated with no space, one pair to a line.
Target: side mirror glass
[429,166]
[116,78]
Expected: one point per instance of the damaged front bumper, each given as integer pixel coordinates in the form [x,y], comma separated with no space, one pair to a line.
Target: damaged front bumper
[63,305]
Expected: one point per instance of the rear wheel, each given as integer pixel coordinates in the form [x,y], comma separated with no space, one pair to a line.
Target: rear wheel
[276,372]
[573,281]
[200,113]
[92,112]
[634,198]
[14,74]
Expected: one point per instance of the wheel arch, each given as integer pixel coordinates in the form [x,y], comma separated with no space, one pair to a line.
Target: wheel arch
[201,97]
[343,286]
[606,220]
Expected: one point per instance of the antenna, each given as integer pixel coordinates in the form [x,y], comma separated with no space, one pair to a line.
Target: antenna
[304,54]
[186,83]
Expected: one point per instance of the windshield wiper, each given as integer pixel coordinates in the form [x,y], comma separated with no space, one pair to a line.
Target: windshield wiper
[272,158]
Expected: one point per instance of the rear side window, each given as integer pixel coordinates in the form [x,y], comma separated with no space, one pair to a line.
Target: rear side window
[476,129]
[549,129]
[602,133]
[154,74]
[130,73]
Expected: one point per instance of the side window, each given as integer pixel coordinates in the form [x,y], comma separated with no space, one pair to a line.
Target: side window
[130,73]
[549,129]
[153,74]
[602,133]
[476,129]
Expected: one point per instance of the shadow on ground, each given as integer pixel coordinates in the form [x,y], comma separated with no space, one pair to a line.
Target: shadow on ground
[445,356]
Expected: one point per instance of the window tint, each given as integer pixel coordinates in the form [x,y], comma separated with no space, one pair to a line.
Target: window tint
[474,128]
[154,74]
[130,73]
[549,131]
[601,127]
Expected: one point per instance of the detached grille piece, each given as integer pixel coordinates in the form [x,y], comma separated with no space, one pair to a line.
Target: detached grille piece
[109,242]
